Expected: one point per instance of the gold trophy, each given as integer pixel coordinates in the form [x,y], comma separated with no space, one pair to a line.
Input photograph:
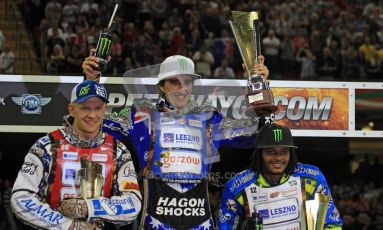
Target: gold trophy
[91,179]
[245,27]
[316,211]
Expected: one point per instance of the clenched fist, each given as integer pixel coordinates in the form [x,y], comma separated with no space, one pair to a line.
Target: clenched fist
[84,225]
[75,208]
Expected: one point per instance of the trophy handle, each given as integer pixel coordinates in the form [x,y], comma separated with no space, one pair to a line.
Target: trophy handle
[257,40]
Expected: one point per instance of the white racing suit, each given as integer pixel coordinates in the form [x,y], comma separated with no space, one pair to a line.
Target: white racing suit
[281,206]
[48,175]
[175,151]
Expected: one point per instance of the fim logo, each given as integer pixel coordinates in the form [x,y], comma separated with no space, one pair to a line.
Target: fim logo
[31,103]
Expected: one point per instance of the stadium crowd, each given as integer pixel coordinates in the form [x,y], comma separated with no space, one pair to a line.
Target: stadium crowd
[320,40]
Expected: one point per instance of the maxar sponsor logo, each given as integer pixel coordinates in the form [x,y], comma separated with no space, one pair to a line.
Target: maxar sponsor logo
[39,212]
[31,103]
[180,207]
[2,101]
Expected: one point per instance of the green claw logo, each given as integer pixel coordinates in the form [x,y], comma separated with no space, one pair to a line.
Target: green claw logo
[277,135]
[105,44]
[183,63]
[84,90]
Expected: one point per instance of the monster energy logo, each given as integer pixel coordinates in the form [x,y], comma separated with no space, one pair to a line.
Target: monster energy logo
[105,44]
[84,90]
[183,63]
[277,135]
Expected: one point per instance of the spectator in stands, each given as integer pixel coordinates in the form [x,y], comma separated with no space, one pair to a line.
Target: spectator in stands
[69,13]
[2,41]
[128,64]
[142,52]
[349,221]
[73,61]
[222,48]
[287,57]
[89,7]
[117,62]
[57,60]
[203,21]
[271,45]
[306,59]
[224,71]
[364,170]
[51,42]
[175,19]
[204,61]
[53,11]
[165,35]
[7,61]
[373,67]
[194,41]
[350,63]
[316,43]
[363,221]
[177,40]
[326,65]
[367,52]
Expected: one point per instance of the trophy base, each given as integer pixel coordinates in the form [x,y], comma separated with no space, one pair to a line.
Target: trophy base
[260,100]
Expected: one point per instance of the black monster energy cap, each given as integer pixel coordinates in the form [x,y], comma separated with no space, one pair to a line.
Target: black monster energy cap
[274,136]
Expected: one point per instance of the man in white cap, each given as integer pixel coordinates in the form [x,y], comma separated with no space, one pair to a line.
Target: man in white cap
[173,151]
[47,194]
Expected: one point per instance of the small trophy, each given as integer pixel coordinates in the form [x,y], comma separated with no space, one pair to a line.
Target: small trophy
[245,27]
[91,179]
[316,211]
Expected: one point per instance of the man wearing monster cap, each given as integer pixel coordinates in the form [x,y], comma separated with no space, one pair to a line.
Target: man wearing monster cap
[275,187]
[174,140]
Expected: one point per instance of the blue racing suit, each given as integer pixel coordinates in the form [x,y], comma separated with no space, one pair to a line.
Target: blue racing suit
[175,150]
[280,206]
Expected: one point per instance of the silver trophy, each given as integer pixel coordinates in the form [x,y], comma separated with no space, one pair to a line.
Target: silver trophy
[90,178]
[316,211]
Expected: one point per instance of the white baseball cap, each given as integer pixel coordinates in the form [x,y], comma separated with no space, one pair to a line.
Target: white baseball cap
[176,65]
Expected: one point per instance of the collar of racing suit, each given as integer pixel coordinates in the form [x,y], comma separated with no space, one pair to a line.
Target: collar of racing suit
[69,133]
[264,183]
[164,106]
